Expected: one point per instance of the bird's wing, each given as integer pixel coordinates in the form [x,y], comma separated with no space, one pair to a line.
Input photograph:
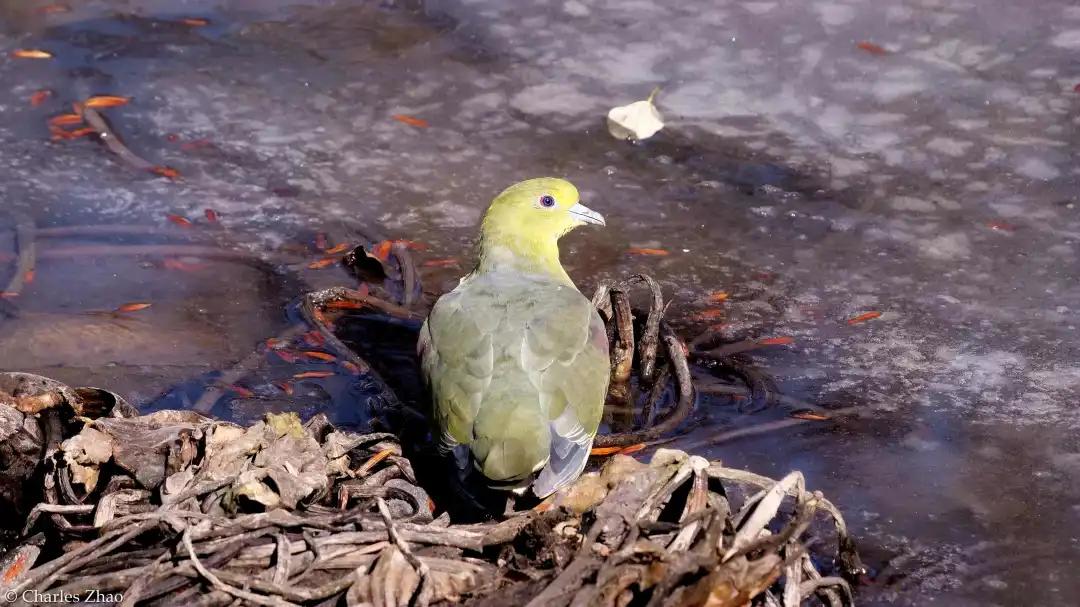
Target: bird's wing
[566,356]
[457,359]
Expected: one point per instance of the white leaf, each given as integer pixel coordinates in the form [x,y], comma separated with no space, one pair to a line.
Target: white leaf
[639,120]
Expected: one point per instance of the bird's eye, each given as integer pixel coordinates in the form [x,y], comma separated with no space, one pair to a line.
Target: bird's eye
[547,200]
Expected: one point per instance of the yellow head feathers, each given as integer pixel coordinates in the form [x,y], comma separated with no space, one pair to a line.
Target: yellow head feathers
[523,225]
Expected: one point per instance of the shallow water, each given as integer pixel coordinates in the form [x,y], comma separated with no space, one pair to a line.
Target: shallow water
[810,179]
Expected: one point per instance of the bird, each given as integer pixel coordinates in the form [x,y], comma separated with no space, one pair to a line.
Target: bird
[516,357]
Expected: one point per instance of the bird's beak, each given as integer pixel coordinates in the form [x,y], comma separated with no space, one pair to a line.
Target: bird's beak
[584,214]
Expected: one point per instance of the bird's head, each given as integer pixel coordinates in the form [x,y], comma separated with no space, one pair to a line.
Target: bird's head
[524,223]
[537,209]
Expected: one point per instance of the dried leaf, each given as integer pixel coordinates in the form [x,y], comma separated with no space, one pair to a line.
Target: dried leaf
[165,171]
[647,251]
[863,318]
[31,53]
[39,97]
[323,356]
[871,48]
[639,120]
[322,263]
[410,120]
[133,306]
[211,215]
[179,220]
[313,374]
[104,101]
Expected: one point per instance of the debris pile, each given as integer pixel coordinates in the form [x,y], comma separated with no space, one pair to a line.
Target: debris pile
[177,508]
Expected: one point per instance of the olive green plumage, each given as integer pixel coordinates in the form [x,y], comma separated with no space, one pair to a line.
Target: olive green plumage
[516,357]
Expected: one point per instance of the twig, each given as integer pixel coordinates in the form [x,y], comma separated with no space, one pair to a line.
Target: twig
[25,258]
[220,585]
[683,407]
[112,141]
[423,590]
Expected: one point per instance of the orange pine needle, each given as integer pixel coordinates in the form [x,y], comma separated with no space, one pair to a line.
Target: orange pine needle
[134,306]
[83,132]
[627,450]
[167,172]
[50,9]
[871,48]
[863,318]
[286,356]
[647,251]
[322,263]
[410,120]
[373,461]
[275,343]
[103,101]
[344,305]
[314,338]
[66,120]
[284,386]
[341,248]
[8,294]
[381,250]
[28,276]
[241,391]
[312,375]
[718,297]
[319,355]
[601,451]
[17,566]
[31,53]
[211,215]
[171,263]
[810,415]
[440,263]
[195,21]
[776,341]
[710,314]
[39,97]
[320,241]
[351,367]
[179,220]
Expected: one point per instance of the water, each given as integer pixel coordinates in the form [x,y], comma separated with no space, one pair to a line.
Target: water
[810,179]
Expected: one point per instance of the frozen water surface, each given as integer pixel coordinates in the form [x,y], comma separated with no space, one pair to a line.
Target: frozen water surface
[822,159]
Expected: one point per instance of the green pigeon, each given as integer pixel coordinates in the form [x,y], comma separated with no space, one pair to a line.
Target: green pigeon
[515,356]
